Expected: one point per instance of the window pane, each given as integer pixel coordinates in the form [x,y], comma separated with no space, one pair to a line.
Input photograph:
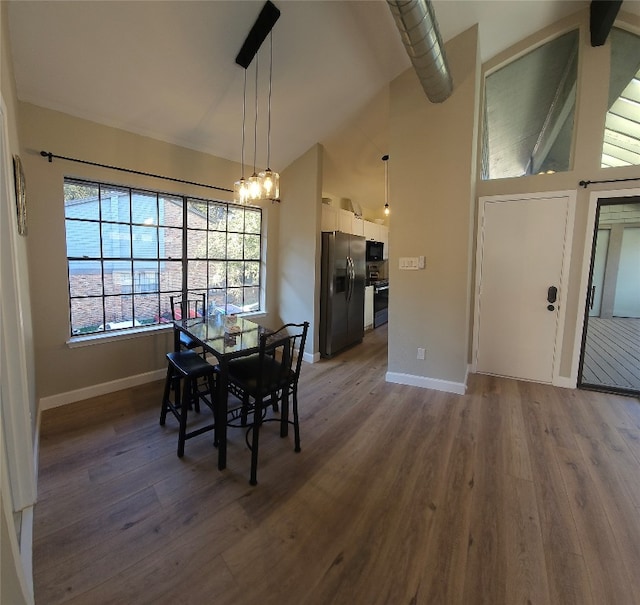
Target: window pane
[196,244]
[145,242]
[217,274]
[529,112]
[114,204]
[217,244]
[171,276]
[235,247]
[165,307]
[86,315]
[235,218]
[85,278]
[170,242]
[145,276]
[118,312]
[117,277]
[144,207]
[83,239]
[251,274]
[251,299]
[621,142]
[217,217]
[217,299]
[116,241]
[81,201]
[170,211]
[234,300]
[252,247]
[196,214]
[147,308]
[253,221]
[235,273]
[197,275]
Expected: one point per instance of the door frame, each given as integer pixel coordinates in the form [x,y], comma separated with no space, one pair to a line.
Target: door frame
[570,196]
[589,242]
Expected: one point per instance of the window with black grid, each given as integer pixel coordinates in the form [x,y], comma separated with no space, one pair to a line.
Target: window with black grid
[129,250]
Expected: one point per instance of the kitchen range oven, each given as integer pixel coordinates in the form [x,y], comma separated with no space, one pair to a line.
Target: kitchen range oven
[380,302]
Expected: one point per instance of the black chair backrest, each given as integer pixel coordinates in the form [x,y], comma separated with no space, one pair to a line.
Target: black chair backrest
[193,306]
[286,345]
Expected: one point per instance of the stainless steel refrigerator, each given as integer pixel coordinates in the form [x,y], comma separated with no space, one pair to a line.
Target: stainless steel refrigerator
[342,293]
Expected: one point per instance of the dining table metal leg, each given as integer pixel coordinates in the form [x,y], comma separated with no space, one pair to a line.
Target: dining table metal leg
[223,399]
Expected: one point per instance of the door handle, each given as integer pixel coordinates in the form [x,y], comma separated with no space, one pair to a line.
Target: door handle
[592,297]
[552,294]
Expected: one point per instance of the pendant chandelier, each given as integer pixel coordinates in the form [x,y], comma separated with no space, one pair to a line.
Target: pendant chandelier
[266,184]
[385,159]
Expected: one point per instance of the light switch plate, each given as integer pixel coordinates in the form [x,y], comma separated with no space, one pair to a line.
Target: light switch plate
[411,263]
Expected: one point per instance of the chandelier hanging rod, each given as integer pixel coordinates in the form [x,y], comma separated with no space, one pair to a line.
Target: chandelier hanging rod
[267,18]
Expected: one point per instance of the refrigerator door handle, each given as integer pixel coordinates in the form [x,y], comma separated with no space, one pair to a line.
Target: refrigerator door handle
[352,277]
[347,290]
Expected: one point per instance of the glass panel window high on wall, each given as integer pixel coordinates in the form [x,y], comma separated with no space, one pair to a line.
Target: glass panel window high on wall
[529,112]
[129,250]
[621,141]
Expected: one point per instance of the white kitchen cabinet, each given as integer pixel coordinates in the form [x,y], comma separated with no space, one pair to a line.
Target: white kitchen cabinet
[368,307]
[345,221]
[370,230]
[357,225]
[329,220]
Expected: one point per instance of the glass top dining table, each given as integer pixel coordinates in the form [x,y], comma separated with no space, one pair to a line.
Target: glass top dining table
[225,337]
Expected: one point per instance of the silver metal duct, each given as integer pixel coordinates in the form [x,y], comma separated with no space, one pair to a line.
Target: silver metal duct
[418,28]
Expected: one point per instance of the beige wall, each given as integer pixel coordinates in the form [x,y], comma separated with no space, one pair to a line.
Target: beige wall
[61,369]
[299,245]
[432,176]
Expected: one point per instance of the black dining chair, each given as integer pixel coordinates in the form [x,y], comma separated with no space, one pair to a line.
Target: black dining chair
[182,308]
[189,367]
[267,378]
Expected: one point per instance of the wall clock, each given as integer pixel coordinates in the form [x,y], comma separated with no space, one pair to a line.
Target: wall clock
[21,198]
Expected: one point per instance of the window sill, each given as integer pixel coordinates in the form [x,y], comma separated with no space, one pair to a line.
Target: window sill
[94,339]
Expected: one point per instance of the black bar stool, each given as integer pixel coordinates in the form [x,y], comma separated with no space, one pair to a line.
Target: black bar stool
[188,366]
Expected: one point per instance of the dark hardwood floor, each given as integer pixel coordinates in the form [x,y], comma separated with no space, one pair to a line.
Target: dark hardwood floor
[513,493]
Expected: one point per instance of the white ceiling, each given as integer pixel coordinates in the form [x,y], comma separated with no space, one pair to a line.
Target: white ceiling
[166,69]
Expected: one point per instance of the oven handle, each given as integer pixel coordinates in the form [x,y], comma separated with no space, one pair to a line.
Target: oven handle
[380,289]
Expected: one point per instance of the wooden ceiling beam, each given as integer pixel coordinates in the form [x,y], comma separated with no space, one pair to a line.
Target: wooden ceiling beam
[603,14]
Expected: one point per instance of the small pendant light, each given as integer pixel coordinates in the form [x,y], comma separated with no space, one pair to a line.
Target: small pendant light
[385,159]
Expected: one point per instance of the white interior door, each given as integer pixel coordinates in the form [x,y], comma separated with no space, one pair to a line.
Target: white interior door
[521,248]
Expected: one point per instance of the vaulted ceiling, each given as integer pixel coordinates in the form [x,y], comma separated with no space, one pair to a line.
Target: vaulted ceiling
[166,69]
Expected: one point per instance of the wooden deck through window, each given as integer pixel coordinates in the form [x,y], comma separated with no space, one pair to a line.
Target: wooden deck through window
[513,493]
[612,355]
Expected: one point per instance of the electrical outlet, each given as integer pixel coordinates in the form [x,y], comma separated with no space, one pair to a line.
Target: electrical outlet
[420,353]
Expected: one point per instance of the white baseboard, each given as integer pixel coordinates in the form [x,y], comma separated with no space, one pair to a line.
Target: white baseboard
[26,546]
[565,382]
[311,357]
[54,401]
[424,382]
